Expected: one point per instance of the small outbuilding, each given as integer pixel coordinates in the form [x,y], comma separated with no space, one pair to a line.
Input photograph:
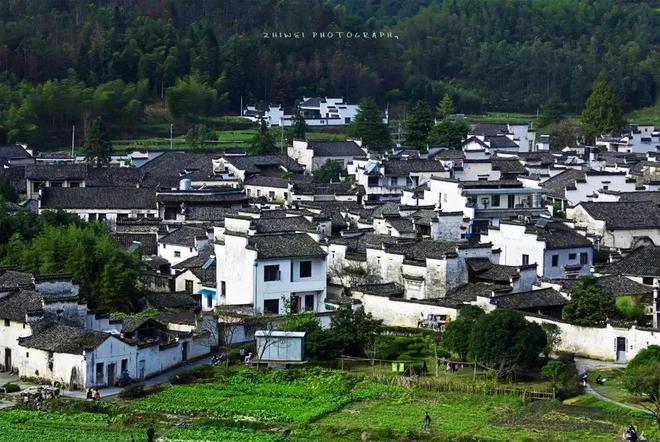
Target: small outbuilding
[280,347]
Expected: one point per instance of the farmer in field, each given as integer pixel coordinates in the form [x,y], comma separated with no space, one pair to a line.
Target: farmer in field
[427,422]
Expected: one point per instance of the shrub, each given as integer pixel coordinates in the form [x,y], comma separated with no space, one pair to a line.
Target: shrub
[11,388]
[650,354]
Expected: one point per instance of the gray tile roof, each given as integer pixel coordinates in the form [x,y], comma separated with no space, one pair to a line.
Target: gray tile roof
[487,271]
[260,163]
[388,289]
[547,297]
[405,167]
[65,339]
[16,305]
[184,236]
[282,225]
[559,236]
[13,279]
[617,285]
[556,186]
[170,300]
[488,129]
[168,169]
[401,225]
[501,142]
[97,198]
[336,149]
[217,196]
[298,245]
[469,292]
[420,250]
[267,181]
[625,215]
[643,261]
[653,196]
[509,166]
[13,152]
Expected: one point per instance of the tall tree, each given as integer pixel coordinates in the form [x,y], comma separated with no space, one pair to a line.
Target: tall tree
[298,126]
[449,132]
[418,125]
[98,146]
[445,107]
[368,125]
[552,111]
[328,173]
[589,304]
[262,142]
[603,112]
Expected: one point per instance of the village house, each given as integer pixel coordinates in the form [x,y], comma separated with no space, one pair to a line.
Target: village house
[314,154]
[183,243]
[386,180]
[520,133]
[558,251]
[639,138]
[618,225]
[15,155]
[241,167]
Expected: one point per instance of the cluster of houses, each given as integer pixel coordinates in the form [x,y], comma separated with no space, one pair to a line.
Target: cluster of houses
[409,235]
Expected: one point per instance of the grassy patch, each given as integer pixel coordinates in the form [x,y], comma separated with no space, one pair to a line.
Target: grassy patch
[649,115]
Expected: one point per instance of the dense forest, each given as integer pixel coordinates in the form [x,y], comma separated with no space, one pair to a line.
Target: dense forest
[64,62]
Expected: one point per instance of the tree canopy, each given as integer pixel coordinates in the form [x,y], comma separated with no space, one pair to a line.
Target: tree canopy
[604,110]
[98,146]
[262,143]
[328,173]
[368,125]
[418,125]
[589,304]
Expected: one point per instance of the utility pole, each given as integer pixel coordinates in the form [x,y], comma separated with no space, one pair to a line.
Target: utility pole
[73,140]
[171,126]
[241,111]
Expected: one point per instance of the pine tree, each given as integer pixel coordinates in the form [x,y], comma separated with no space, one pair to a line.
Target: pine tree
[262,143]
[368,125]
[603,112]
[446,107]
[98,146]
[299,126]
[418,125]
[553,111]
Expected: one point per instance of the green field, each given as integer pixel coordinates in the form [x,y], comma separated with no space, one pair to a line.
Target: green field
[317,405]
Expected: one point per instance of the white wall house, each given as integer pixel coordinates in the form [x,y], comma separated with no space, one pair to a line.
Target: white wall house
[618,225]
[182,244]
[314,154]
[270,271]
[558,251]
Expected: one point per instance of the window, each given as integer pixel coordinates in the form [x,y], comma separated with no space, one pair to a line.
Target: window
[584,258]
[177,254]
[189,286]
[209,301]
[74,184]
[272,273]
[258,192]
[101,216]
[555,260]
[305,269]
[99,372]
[272,306]
[36,186]
[495,200]
[7,322]
[171,212]
[91,217]
[372,181]
[394,181]
[571,256]
[286,195]
[647,280]
[525,260]
[309,302]
[271,195]
[223,288]
[27,354]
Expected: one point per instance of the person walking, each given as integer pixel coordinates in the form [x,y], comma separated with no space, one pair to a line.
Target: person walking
[427,422]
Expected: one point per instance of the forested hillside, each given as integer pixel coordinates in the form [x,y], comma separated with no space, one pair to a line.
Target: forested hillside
[66,61]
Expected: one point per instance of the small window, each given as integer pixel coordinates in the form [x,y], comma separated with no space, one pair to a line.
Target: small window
[372,181]
[272,306]
[571,256]
[525,260]
[177,254]
[495,200]
[223,288]
[555,260]
[584,258]
[27,354]
[394,181]
[309,302]
[272,273]
[647,280]
[305,269]
[189,286]
[7,322]
[209,301]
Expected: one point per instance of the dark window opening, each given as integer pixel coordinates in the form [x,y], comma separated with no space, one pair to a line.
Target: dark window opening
[305,269]
[555,260]
[272,306]
[584,258]
[272,273]
[525,260]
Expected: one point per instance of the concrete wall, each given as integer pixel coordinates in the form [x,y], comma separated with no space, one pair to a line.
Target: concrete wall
[401,313]
[600,343]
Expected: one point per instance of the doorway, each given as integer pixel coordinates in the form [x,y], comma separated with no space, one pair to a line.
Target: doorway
[620,348]
[8,359]
[511,200]
[184,351]
[111,374]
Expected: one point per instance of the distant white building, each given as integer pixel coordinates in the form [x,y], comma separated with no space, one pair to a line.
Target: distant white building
[317,111]
[640,138]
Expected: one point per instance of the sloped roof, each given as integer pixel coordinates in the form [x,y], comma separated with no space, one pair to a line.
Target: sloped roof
[13,152]
[64,339]
[16,305]
[652,196]
[625,215]
[405,167]
[169,168]
[257,163]
[184,236]
[547,297]
[12,279]
[148,242]
[617,285]
[335,149]
[643,261]
[388,289]
[469,292]
[267,181]
[97,198]
[170,300]
[287,224]
[556,185]
[298,245]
